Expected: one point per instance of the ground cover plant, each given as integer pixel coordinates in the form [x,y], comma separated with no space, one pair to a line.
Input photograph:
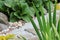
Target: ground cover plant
[18,9]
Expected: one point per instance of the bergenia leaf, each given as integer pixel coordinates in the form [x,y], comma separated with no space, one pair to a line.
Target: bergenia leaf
[13,18]
[25,18]
[9,3]
[2,6]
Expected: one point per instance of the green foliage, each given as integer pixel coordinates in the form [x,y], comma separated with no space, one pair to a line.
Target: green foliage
[58,28]
[54,15]
[48,30]
[18,9]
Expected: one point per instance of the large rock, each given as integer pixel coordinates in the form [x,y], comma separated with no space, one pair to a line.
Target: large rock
[3,18]
[3,21]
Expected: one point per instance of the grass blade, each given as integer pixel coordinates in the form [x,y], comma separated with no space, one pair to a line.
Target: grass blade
[50,20]
[58,29]
[55,30]
[43,18]
[38,18]
[35,27]
[54,14]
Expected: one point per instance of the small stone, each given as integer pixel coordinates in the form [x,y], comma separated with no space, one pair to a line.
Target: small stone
[15,24]
[20,24]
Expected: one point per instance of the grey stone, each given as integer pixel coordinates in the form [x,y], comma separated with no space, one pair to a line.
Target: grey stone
[3,18]
[3,27]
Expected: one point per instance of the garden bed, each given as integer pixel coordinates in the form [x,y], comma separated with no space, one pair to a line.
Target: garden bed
[25,30]
[29,20]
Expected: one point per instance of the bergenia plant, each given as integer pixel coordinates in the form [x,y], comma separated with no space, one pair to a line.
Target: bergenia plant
[18,9]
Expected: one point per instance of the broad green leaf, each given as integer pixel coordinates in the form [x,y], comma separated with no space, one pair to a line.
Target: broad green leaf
[17,14]
[9,3]
[25,18]
[12,17]
[32,10]
[29,11]
[2,6]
